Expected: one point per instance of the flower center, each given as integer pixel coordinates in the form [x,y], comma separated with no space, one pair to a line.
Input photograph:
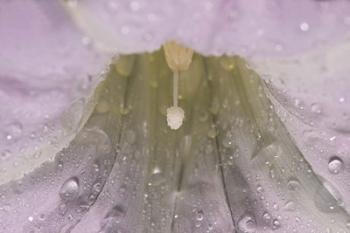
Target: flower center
[178,59]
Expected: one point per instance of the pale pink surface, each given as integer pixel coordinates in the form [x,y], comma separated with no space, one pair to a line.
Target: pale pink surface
[46,64]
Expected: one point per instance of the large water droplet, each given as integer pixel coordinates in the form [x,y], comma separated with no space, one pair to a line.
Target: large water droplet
[70,189]
[247,224]
[335,165]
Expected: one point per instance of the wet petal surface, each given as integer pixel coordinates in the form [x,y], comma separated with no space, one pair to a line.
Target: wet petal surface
[48,72]
[232,166]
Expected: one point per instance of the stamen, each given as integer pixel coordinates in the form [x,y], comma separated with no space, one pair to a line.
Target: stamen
[178,59]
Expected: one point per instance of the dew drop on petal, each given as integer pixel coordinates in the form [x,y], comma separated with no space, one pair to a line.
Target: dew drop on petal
[304,27]
[247,224]
[199,215]
[335,165]
[276,224]
[267,217]
[70,189]
[316,108]
[13,130]
[293,184]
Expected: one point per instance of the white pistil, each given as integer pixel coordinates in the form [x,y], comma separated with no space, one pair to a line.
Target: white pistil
[178,59]
[175,114]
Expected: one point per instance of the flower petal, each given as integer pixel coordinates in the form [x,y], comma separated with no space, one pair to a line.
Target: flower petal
[282,191]
[47,74]
[265,28]
[311,95]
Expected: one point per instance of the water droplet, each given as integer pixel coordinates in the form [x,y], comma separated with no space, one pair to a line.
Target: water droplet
[304,27]
[299,104]
[316,108]
[267,217]
[335,165]
[247,224]
[156,170]
[97,187]
[293,184]
[341,100]
[199,215]
[276,224]
[212,132]
[70,189]
[13,130]
[290,206]
[227,142]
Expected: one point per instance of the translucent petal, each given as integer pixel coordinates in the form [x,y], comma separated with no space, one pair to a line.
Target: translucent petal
[263,29]
[231,167]
[311,95]
[48,72]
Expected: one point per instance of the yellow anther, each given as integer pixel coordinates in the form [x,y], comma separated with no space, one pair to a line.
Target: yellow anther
[178,57]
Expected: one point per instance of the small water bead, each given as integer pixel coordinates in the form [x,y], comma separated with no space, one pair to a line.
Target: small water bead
[13,130]
[97,187]
[304,27]
[199,215]
[267,217]
[335,165]
[70,189]
[316,108]
[290,206]
[212,133]
[293,184]
[276,224]
[341,100]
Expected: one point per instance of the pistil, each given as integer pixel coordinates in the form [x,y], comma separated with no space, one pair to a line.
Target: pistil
[179,59]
